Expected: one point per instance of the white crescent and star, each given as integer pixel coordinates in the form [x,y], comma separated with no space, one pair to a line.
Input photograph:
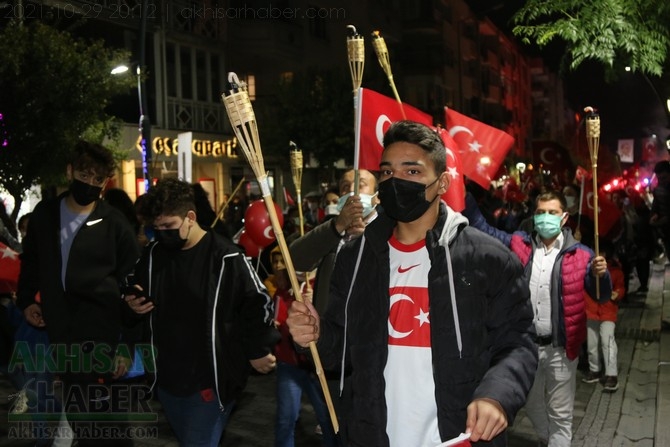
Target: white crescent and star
[589,201]
[456,129]
[544,158]
[422,316]
[379,128]
[453,172]
[9,253]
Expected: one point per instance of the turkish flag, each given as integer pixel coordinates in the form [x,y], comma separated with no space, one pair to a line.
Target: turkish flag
[10,266]
[409,324]
[455,195]
[582,174]
[476,141]
[288,197]
[552,157]
[608,212]
[377,113]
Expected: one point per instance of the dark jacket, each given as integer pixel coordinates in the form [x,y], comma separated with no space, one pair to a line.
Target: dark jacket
[317,249]
[103,252]
[239,310]
[481,347]
[570,278]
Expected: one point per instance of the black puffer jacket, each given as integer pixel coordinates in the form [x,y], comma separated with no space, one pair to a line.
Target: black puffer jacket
[484,350]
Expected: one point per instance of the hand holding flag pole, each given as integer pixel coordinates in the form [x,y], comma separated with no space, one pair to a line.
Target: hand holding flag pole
[379,44]
[593,138]
[243,120]
[356,53]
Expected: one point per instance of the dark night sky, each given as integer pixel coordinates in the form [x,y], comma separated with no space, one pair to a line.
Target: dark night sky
[629,107]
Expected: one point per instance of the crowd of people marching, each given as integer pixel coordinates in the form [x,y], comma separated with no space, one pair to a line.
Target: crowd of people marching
[483,310]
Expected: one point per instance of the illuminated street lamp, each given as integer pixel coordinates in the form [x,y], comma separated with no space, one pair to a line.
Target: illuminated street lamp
[144,123]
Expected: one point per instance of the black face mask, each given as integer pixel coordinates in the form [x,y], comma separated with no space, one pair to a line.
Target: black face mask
[83,193]
[404,200]
[171,239]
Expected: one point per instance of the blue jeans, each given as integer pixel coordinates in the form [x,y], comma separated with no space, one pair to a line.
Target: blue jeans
[291,382]
[196,421]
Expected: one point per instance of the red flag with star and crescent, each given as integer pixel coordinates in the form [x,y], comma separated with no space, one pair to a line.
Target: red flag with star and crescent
[377,113]
[409,322]
[476,141]
[10,266]
[608,212]
[552,157]
[455,195]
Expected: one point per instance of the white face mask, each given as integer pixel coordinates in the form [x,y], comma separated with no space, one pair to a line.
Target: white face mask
[366,200]
[570,201]
[332,210]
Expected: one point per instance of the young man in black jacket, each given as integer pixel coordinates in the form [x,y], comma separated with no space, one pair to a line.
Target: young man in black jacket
[77,251]
[210,316]
[431,317]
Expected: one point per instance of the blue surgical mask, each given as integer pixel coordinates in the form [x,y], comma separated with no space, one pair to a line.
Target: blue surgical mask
[366,200]
[547,225]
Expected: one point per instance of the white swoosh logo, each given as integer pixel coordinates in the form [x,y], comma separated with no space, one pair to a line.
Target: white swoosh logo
[93,222]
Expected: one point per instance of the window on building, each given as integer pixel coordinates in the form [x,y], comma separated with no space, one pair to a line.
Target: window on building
[201,71]
[185,72]
[215,73]
[171,67]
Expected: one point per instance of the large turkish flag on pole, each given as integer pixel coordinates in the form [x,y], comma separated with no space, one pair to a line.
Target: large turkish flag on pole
[476,141]
[377,113]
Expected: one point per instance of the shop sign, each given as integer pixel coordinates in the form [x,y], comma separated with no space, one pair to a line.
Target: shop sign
[200,148]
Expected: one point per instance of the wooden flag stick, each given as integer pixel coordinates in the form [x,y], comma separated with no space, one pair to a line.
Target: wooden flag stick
[593,138]
[296,173]
[225,205]
[243,121]
[356,53]
[382,52]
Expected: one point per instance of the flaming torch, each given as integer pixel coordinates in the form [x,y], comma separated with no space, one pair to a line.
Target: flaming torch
[242,118]
[296,172]
[593,138]
[356,53]
[382,51]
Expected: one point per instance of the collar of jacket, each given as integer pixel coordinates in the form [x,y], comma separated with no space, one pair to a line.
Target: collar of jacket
[380,230]
[569,241]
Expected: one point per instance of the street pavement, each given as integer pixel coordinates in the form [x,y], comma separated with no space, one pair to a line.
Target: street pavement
[637,414]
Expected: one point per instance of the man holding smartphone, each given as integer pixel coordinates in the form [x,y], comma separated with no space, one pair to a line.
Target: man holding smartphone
[209,313]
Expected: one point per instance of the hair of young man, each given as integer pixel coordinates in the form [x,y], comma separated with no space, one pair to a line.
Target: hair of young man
[553,195]
[422,136]
[170,197]
[93,156]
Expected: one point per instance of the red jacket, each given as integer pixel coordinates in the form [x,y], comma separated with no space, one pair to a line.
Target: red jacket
[607,311]
[285,349]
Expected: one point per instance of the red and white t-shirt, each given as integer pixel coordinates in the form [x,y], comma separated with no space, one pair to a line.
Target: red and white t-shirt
[410,389]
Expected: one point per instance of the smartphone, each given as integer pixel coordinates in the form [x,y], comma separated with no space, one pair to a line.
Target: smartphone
[132,290]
